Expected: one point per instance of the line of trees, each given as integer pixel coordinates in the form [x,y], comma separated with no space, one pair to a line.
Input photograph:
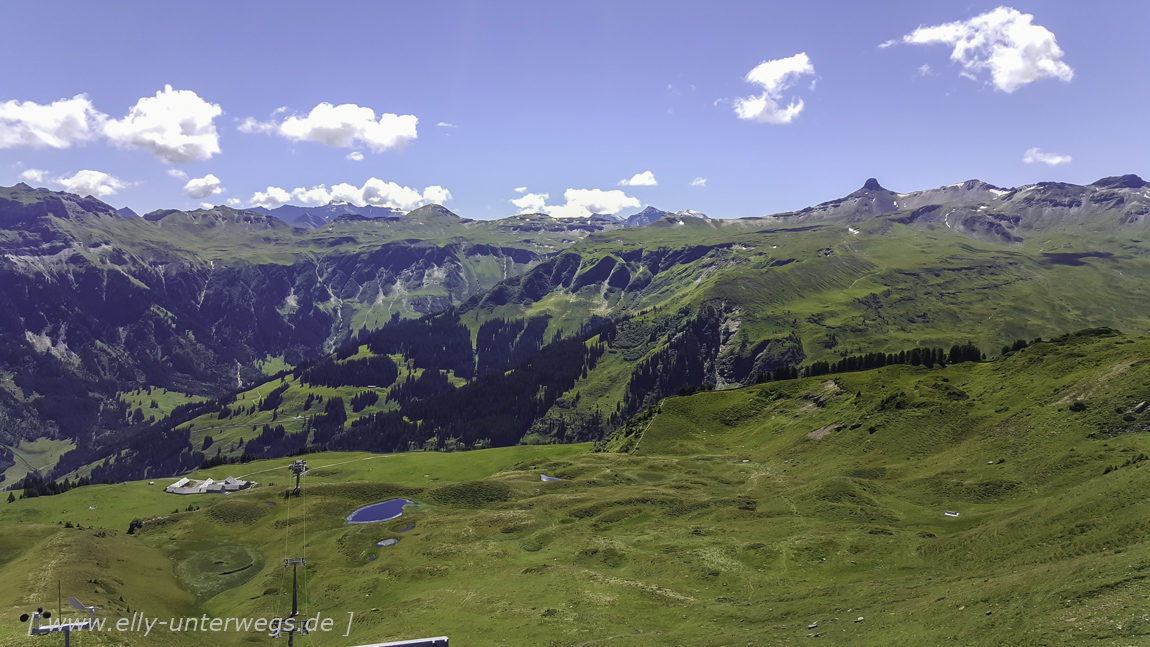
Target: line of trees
[928,357]
[34,485]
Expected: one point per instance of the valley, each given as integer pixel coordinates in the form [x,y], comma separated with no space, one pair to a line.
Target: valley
[683,300]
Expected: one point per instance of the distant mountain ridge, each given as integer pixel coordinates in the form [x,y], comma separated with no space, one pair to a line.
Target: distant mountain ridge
[311,217]
[652,215]
[989,212]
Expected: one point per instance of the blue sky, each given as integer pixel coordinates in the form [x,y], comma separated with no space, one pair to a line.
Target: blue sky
[566,99]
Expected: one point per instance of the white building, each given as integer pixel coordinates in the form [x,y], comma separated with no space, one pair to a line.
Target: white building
[188,486]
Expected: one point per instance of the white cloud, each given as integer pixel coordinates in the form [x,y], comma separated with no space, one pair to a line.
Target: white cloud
[521,189]
[317,195]
[88,182]
[925,70]
[355,156]
[84,182]
[646,178]
[775,77]
[374,192]
[203,187]
[586,202]
[56,125]
[444,124]
[207,205]
[436,195]
[33,175]
[581,203]
[273,197]
[1035,155]
[249,125]
[177,173]
[378,193]
[175,126]
[531,203]
[699,181]
[235,203]
[1004,41]
[342,126]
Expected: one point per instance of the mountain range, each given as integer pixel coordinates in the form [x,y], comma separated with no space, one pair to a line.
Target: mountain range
[97,305]
[312,217]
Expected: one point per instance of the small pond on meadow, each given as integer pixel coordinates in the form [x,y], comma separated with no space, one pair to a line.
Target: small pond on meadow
[384,511]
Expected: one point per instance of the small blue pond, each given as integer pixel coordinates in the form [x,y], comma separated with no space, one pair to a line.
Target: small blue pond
[544,477]
[387,542]
[379,511]
[409,527]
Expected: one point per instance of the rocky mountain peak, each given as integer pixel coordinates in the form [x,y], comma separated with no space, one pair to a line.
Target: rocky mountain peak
[645,217]
[430,211]
[1129,181]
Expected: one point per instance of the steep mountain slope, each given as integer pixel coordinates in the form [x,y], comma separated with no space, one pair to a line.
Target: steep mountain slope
[92,302]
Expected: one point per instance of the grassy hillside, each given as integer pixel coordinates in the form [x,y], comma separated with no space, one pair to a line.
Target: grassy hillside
[731,517]
[34,456]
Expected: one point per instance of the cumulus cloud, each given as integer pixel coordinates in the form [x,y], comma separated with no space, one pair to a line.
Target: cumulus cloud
[202,187]
[86,182]
[317,195]
[33,175]
[175,126]
[355,156]
[1036,156]
[775,77]
[581,203]
[699,181]
[89,182]
[374,192]
[342,126]
[646,178]
[250,125]
[436,195]
[177,173]
[273,197]
[56,125]
[531,203]
[235,203]
[1004,41]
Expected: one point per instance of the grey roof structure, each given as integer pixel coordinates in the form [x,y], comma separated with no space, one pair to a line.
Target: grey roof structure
[208,486]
